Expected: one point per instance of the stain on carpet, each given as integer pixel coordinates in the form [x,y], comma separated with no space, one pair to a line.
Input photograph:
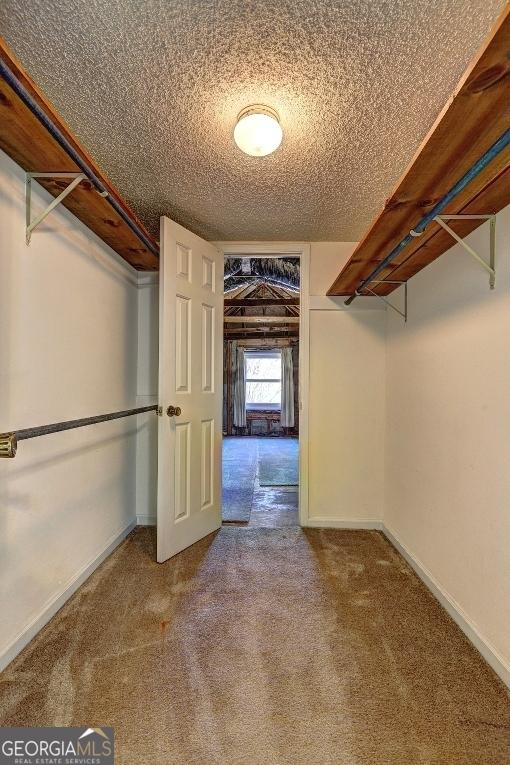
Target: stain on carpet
[263,646]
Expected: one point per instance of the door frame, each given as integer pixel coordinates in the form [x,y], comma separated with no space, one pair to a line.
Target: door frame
[299,250]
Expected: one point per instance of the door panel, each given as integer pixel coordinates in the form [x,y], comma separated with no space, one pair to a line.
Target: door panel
[189,445]
[207,481]
[182,344]
[207,348]
[182,469]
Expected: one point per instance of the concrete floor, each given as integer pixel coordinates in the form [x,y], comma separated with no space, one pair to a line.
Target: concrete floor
[274,507]
[271,506]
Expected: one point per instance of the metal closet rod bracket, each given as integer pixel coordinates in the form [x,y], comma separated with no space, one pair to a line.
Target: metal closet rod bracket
[385,300]
[77,178]
[490,267]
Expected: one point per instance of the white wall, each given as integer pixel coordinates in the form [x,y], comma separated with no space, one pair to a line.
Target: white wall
[326,261]
[347,399]
[68,349]
[448,435]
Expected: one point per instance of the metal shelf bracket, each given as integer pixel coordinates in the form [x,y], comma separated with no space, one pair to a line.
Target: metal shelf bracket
[32,224]
[490,266]
[385,300]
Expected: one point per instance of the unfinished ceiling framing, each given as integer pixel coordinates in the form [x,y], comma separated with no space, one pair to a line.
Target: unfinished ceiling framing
[153,90]
[261,298]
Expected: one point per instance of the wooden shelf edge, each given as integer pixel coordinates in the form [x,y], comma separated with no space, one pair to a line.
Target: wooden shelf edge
[486,85]
[19,123]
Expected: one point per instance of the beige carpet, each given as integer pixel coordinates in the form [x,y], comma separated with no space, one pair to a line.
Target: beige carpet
[263,647]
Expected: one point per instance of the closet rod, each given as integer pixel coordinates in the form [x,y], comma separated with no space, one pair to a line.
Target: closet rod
[60,138]
[9,441]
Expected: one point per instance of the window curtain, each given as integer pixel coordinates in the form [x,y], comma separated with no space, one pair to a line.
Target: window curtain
[239,377]
[287,414]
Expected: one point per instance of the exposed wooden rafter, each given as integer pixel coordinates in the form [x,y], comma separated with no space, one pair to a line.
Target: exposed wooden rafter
[266,320]
[269,342]
[477,114]
[265,332]
[250,302]
[26,140]
[262,302]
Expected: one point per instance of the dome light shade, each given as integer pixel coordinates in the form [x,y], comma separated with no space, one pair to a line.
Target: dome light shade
[258,131]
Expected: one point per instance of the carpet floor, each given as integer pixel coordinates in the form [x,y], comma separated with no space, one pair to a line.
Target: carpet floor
[261,646]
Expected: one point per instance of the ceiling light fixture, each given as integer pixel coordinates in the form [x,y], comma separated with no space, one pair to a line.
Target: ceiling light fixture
[258,131]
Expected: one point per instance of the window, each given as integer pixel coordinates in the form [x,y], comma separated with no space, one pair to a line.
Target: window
[263,379]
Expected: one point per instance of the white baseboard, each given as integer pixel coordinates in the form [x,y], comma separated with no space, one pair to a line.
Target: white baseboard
[146,520]
[56,603]
[333,523]
[489,653]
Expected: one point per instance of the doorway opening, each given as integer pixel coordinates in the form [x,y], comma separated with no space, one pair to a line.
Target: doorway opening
[261,390]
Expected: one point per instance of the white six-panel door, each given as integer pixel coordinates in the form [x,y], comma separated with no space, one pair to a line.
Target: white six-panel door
[190,378]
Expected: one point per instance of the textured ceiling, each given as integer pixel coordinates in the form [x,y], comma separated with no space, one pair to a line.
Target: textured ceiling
[153,89]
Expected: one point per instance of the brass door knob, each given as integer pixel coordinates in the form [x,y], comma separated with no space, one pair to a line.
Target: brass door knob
[173,411]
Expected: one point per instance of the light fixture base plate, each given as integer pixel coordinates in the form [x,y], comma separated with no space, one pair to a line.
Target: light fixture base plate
[258,109]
